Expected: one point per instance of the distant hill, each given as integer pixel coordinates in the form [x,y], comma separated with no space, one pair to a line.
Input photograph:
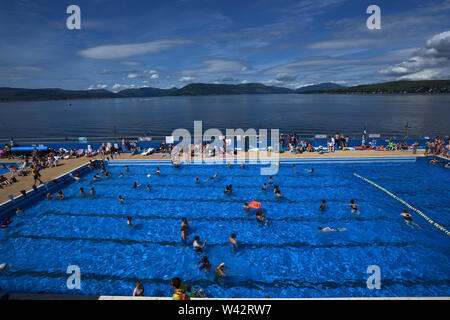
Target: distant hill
[14,94]
[145,92]
[396,87]
[19,94]
[196,89]
[320,87]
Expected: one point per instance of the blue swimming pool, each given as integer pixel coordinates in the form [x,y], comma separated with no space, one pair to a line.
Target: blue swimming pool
[288,258]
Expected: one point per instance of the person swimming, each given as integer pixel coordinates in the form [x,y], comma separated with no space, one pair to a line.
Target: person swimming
[127,169]
[294,168]
[129,221]
[277,191]
[311,170]
[121,175]
[92,192]
[135,185]
[271,180]
[82,191]
[120,199]
[261,217]
[197,180]
[246,207]
[354,207]
[138,290]
[203,264]
[96,177]
[228,189]
[197,246]
[408,219]
[148,187]
[184,230]
[264,187]
[60,195]
[219,273]
[213,177]
[323,205]
[328,229]
[232,240]
[158,172]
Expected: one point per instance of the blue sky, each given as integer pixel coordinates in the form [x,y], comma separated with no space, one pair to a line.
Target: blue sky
[164,44]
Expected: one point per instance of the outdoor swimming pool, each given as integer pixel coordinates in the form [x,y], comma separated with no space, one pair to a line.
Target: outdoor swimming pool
[288,258]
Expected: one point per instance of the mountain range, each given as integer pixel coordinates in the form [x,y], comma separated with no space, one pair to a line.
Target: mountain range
[200,89]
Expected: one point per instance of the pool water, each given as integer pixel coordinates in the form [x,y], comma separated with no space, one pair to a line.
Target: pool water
[287,258]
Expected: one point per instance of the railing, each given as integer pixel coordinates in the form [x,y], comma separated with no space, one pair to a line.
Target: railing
[56,140]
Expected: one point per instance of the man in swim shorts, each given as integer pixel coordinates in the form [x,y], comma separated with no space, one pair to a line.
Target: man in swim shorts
[197,246]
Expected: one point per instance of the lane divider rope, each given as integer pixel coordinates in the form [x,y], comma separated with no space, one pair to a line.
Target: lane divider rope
[437,225]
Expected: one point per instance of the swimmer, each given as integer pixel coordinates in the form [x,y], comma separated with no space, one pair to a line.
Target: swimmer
[60,195]
[242,165]
[408,219]
[246,207]
[82,191]
[126,168]
[7,223]
[447,165]
[184,224]
[120,199]
[354,207]
[228,164]
[219,272]
[232,240]
[135,185]
[96,177]
[328,229]
[433,161]
[121,175]
[311,170]
[264,187]
[92,192]
[197,180]
[323,206]
[197,246]
[203,264]
[294,168]
[261,217]
[271,180]
[158,172]
[18,211]
[148,187]
[129,221]
[213,177]
[228,189]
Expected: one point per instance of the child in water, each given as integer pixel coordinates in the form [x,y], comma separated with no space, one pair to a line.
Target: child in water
[204,264]
[354,207]
[323,206]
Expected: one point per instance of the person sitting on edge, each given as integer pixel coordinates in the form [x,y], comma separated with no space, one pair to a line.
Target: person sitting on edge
[180,289]
[138,290]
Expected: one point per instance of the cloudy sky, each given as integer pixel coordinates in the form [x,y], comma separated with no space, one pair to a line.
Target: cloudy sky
[168,43]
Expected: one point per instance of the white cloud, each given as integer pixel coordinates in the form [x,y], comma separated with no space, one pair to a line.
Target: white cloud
[117,87]
[429,62]
[131,49]
[219,66]
[186,79]
[154,76]
[132,75]
[244,81]
[97,86]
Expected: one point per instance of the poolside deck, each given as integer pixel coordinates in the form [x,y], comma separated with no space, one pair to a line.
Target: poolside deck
[65,166]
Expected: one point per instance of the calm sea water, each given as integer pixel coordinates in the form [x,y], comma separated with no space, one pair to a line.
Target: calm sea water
[305,114]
